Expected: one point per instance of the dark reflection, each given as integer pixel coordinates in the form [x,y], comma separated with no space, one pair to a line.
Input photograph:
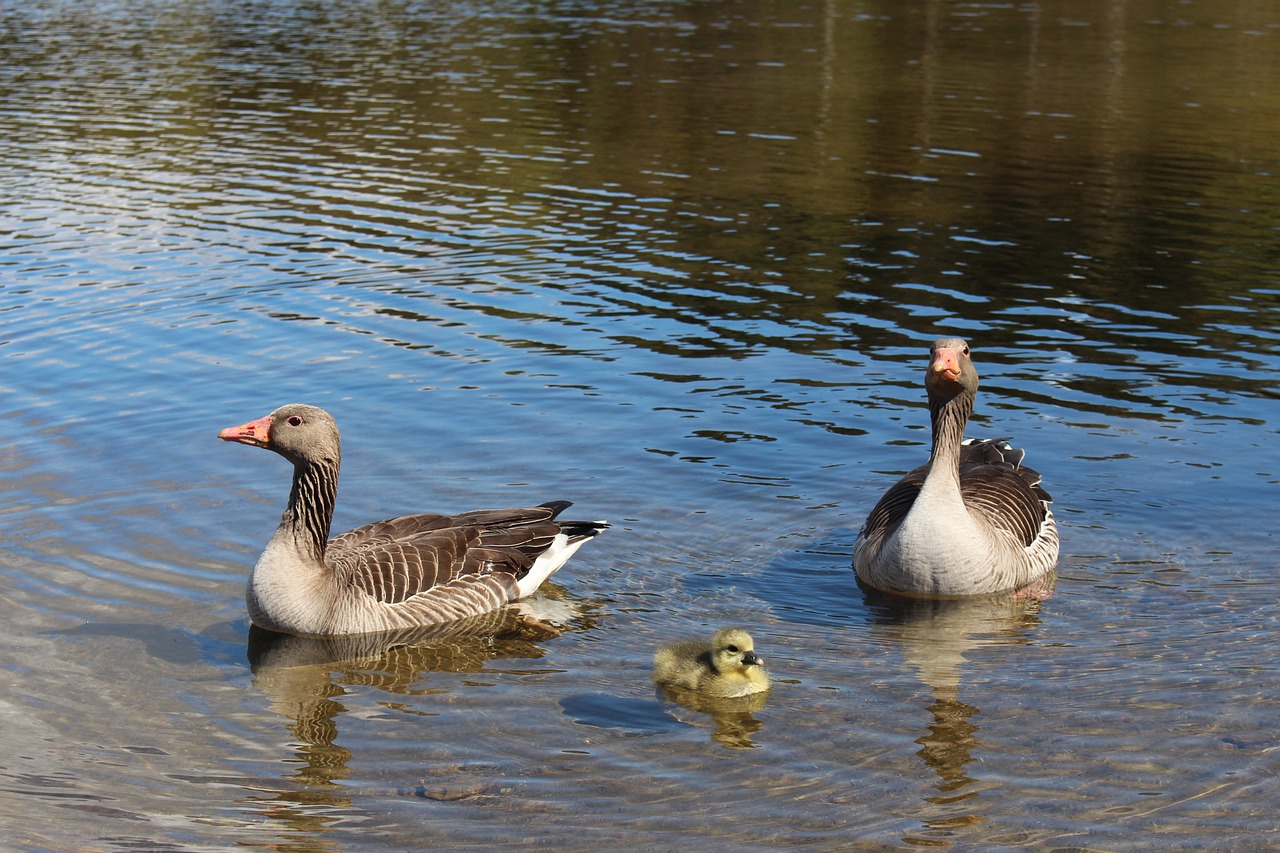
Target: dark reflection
[627,716]
[935,637]
[168,644]
[732,719]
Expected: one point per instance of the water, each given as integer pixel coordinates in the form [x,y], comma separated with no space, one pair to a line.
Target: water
[680,264]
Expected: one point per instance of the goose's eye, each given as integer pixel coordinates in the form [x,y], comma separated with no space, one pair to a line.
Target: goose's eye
[295,421]
[733,649]
[965,351]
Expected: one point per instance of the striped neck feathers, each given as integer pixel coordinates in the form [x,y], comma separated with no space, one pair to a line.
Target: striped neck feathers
[948,418]
[311,502]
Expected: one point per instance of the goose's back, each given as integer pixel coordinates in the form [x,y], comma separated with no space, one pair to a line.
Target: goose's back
[425,568]
[684,664]
[997,487]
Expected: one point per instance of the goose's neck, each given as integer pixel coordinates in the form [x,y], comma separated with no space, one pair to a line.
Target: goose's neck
[948,419]
[306,520]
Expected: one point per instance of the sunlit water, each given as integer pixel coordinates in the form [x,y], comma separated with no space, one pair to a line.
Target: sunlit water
[680,264]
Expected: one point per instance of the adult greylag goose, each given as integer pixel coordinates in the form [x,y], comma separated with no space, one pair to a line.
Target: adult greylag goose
[971,520]
[401,573]
[725,667]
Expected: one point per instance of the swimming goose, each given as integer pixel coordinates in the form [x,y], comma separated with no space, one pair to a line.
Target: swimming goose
[728,666]
[400,573]
[971,520]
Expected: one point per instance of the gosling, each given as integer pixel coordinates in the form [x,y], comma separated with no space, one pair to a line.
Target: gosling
[726,667]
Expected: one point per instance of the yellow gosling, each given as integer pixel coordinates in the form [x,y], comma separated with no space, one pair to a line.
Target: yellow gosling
[728,666]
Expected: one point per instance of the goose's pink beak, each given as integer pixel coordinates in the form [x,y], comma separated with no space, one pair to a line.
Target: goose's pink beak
[946,365]
[254,433]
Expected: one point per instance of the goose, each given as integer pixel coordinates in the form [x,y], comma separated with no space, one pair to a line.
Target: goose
[404,572]
[970,521]
[728,666]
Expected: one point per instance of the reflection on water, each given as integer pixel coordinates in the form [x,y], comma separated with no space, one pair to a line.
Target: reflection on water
[732,718]
[302,675]
[935,638]
[306,678]
[675,262]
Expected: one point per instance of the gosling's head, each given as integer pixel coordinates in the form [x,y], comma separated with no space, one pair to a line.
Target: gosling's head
[732,650]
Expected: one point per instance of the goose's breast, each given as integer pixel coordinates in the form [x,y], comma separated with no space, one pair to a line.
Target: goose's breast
[941,553]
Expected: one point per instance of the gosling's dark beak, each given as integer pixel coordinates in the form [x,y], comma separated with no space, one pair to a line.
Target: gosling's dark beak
[752,658]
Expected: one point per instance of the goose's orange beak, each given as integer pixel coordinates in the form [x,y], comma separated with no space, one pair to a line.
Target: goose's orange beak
[254,433]
[946,365]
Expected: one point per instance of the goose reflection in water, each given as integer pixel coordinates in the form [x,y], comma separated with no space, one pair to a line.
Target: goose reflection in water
[935,635]
[305,678]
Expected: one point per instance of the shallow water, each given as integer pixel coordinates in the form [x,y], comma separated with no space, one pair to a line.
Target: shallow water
[680,264]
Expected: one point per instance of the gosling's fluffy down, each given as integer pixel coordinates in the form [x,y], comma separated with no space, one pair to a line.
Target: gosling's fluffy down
[728,666]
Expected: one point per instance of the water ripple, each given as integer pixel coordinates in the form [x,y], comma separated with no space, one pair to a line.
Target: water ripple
[680,265]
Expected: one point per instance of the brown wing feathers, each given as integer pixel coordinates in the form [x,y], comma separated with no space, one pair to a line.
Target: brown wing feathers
[399,558]
[992,481]
[1005,500]
[1009,496]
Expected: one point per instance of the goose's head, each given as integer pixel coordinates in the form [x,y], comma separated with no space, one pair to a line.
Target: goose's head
[950,371]
[299,433]
[732,650]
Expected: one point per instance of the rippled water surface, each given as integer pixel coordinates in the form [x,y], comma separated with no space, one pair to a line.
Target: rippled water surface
[679,263]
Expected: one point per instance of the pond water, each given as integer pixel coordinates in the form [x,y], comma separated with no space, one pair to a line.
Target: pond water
[679,263]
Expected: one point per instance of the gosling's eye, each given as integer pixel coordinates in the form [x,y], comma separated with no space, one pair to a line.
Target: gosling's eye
[965,350]
[733,649]
[295,421]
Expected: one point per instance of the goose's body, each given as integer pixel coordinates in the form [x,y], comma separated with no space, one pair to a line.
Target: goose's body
[970,521]
[400,573]
[727,666]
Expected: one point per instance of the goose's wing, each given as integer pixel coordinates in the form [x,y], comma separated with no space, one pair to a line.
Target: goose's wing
[396,559]
[1007,495]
